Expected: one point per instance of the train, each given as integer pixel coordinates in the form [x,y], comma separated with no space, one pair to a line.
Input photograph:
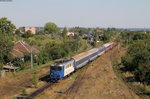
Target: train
[64,67]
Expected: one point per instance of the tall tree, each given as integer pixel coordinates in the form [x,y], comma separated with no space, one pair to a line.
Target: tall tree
[50,28]
[64,33]
[6,26]
[5,48]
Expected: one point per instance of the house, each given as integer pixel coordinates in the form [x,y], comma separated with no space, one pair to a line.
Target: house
[20,48]
[70,33]
[100,31]
[31,29]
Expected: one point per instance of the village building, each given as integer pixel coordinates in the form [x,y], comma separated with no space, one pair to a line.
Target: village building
[20,48]
[70,33]
[100,31]
[31,29]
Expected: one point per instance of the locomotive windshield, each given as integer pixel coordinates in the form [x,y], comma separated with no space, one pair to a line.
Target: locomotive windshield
[56,68]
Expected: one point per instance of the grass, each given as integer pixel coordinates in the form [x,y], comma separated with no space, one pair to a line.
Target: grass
[36,67]
[147,89]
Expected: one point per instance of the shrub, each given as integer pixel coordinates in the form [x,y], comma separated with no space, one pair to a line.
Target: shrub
[24,92]
[35,80]
[1,66]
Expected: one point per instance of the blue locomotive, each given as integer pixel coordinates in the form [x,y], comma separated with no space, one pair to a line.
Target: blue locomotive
[64,67]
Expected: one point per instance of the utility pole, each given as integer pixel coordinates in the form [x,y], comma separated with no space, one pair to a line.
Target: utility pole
[31,58]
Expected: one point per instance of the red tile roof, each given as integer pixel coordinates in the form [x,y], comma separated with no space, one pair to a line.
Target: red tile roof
[21,47]
[17,53]
[101,31]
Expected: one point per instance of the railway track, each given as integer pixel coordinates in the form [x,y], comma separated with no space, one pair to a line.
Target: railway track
[32,95]
[41,89]
[35,93]
[76,84]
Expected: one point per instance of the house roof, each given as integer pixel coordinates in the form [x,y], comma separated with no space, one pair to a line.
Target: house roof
[17,53]
[21,47]
[101,31]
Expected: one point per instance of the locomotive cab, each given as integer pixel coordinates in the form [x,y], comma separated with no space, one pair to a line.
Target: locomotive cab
[56,72]
[61,68]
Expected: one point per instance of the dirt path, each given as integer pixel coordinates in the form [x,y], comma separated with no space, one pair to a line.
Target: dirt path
[97,81]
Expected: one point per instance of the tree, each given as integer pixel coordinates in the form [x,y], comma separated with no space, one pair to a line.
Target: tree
[18,62]
[64,33]
[5,48]
[27,34]
[1,66]
[50,28]
[17,31]
[137,61]
[6,26]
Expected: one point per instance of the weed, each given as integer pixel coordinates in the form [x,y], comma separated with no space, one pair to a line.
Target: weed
[35,80]
[24,92]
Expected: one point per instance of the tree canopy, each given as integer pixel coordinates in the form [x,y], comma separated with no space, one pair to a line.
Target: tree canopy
[50,28]
[5,48]
[64,33]
[137,59]
[6,26]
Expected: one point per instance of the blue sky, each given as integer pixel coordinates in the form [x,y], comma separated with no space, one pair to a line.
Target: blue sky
[85,13]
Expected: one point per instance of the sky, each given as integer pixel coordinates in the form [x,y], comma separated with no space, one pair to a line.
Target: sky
[83,13]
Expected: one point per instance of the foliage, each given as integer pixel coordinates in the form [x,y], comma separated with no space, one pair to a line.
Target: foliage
[6,26]
[43,57]
[80,30]
[106,37]
[40,32]
[131,36]
[5,48]
[137,60]
[1,66]
[18,62]
[24,92]
[27,34]
[17,31]
[50,28]
[39,40]
[60,49]
[27,57]
[64,32]
[57,50]
[35,80]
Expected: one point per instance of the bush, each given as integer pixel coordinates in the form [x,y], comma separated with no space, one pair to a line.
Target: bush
[18,63]
[137,61]
[35,80]
[24,92]
[1,66]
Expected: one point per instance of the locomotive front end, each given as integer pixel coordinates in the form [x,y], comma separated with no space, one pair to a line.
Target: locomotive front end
[56,72]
